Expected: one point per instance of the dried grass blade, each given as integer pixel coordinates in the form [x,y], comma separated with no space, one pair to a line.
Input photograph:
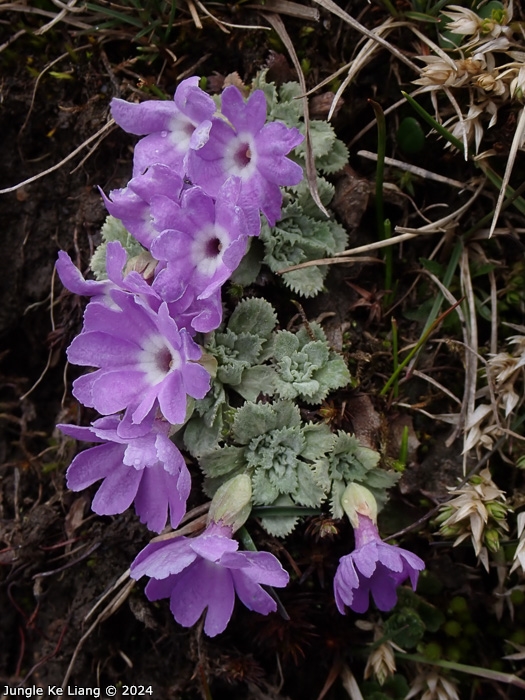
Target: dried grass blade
[499,676]
[516,142]
[339,12]
[471,341]
[106,128]
[416,170]
[311,173]
[291,9]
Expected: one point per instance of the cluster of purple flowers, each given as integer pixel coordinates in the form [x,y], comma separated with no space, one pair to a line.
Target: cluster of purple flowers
[201,180]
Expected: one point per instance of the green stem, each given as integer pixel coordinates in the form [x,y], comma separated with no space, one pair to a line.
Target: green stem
[416,348]
[395,355]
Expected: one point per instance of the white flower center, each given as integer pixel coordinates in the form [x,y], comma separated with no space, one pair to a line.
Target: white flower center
[157,359]
[181,130]
[208,248]
[240,156]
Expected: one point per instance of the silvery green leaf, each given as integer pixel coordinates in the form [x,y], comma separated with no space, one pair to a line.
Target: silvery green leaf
[255,381]
[255,316]
[318,440]
[248,347]
[302,196]
[348,447]
[98,262]
[200,438]
[340,237]
[307,368]
[322,470]
[280,526]
[209,406]
[323,139]
[290,92]
[222,461]
[246,272]
[252,420]
[264,492]
[307,282]
[276,450]
[334,375]
[285,344]
[284,477]
[335,160]
[231,373]
[338,489]
[269,89]
[309,491]
[314,330]
[287,414]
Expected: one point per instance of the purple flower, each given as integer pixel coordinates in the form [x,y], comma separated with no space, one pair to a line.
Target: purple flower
[197,315]
[205,573]
[171,128]
[146,205]
[143,360]
[251,150]
[206,243]
[149,471]
[373,567]
[100,290]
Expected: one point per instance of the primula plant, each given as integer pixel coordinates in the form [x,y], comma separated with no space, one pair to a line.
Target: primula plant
[216,192]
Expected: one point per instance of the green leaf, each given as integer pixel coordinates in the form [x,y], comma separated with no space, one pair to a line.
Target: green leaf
[308,492]
[303,198]
[222,461]
[253,316]
[318,440]
[349,461]
[264,492]
[306,368]
[308,282]
[280,526]
[405,628]
[255,381]
[250,266]
[334,161]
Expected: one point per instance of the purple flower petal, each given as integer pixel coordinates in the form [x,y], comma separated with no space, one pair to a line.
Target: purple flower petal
[209,579]
[374,567]
[92,465]
[251,594]
[204,585]
[117,491]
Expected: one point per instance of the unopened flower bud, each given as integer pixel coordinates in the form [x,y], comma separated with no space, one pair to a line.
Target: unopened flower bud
[497,510]
[449,531]
[444,514]
[232,502]
[357,500]
[492,539]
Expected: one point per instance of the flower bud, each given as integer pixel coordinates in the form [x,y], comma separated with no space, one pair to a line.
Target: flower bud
[357,500]
[232,502]
[449,531]
[492,539]
[497,510]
